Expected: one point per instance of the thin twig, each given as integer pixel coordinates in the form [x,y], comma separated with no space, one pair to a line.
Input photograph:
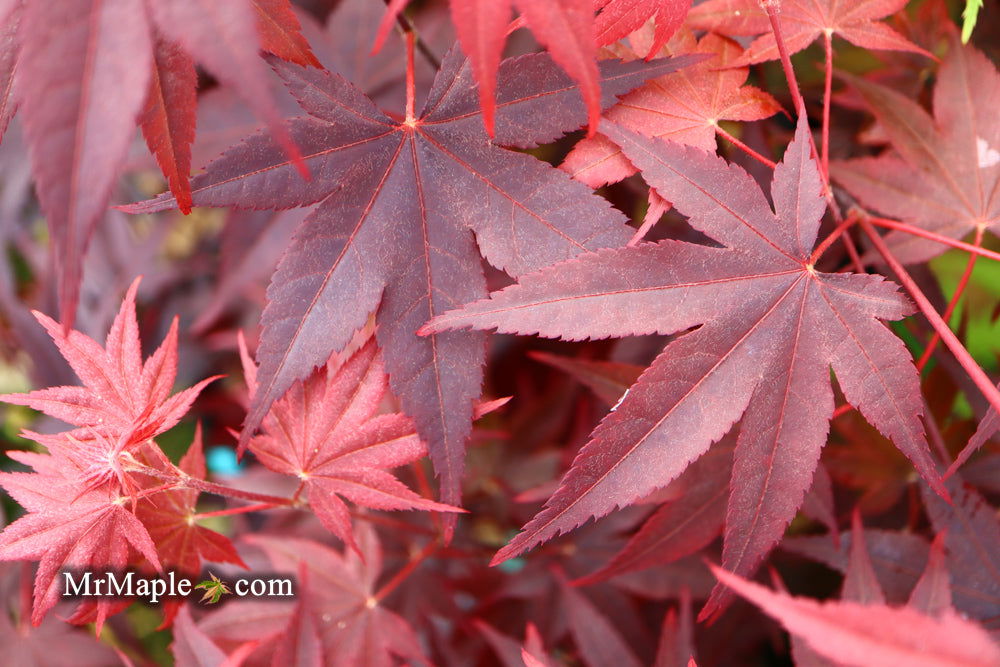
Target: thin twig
[955,298]
[975,372]
[746,149]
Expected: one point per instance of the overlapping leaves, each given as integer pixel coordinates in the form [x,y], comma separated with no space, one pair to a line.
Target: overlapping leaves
[770,329]
[403,237]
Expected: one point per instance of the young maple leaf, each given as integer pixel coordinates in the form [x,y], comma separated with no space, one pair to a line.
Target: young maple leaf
[88,70]
[802,21]
[123,401]
[327,432]
[865,634]
[685,106]
[339,600]
[404,205]
[946,175]
[68,526]
[181,543]
[215,588]
[771,327]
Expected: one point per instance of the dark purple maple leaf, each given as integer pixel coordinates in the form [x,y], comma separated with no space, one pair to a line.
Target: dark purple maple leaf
[771,327]
[327,432]
[945,174]
[404,206]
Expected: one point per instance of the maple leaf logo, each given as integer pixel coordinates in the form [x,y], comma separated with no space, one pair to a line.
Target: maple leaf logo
[215,588]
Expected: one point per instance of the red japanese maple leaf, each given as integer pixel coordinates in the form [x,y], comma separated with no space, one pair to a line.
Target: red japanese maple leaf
[684,106]
[69,525]
[802,21]
[618,18]
[402,236]
[123,401]
[339,604]
[771,327]
[945,173]
[861,634]
[328,433]
[87,70]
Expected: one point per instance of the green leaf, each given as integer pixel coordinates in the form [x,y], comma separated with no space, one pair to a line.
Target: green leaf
[969,17]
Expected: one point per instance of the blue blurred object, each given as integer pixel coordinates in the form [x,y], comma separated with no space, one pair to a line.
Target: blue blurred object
[221,460]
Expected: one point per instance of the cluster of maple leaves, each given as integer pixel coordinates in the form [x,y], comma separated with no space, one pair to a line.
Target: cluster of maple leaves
[782,373]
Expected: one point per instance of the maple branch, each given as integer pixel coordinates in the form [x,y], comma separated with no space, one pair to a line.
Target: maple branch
[235,510]
[962,283]
[221,490]
[923,233]
[405,571]
[786,61]
[827,88]
[974,370]
[746,149]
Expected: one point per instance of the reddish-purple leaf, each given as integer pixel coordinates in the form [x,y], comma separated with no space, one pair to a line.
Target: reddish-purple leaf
[599,642]
[403,237]
[191,646]
[680,527]
[327,432]
[947,171]
[772,327]
[280,32]
[802,21]
[685,107]
[609,380]
[988,428]
[676,647]
[860,582]
[857,634]
[222,35]
[972,539]
[168,120]
[618,18]
[354,626]
[10,20]
[932,594]
[83,77]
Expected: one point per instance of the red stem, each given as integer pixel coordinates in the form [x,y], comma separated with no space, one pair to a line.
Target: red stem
[220,490]
[962,283]
[827,88]
[923,233]
[405,572]
[746,149]
[829,240]
[988,389]
[24,590]
[236,510]
[411,41]
[842,410]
